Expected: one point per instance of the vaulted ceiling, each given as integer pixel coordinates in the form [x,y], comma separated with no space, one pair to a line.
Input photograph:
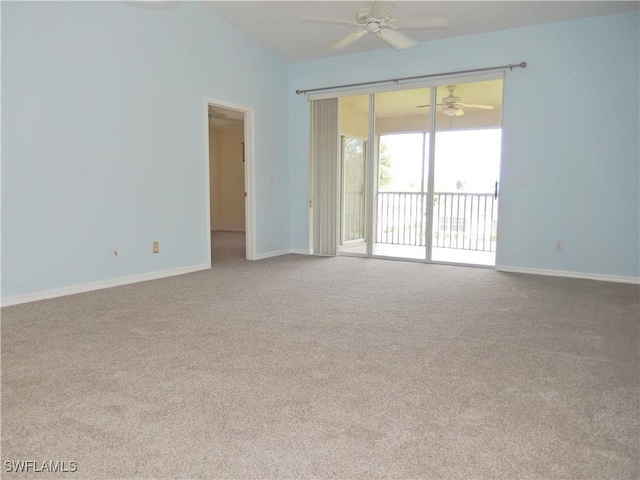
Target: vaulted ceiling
[279,25]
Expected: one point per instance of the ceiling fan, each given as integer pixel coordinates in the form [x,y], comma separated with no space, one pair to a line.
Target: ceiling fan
[452,104]
[377,20]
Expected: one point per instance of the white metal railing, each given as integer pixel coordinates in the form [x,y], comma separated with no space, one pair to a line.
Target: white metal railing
[464,221]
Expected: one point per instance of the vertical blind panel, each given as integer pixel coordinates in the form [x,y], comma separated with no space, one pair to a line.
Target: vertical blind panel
[325,159]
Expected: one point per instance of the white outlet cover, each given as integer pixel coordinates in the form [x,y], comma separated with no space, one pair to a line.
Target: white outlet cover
[522,180]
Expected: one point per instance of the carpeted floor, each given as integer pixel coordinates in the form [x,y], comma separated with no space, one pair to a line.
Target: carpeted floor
[308,367]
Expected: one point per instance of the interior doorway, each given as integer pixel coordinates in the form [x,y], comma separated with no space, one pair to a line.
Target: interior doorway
[229,141]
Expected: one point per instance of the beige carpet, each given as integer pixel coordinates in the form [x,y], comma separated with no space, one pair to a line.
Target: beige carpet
[307,367]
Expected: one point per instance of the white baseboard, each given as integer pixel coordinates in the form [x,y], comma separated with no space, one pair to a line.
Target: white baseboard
[88,287]
[568,274]
[299,251]
[116,282]
[276,253]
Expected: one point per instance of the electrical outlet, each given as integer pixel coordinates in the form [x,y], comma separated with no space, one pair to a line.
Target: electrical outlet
[522,180]
[156,247]
[559,245]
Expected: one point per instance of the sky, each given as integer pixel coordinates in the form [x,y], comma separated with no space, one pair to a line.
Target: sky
[469,157]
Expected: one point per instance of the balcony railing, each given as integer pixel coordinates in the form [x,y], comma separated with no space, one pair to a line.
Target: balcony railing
[465,221]
[353,216]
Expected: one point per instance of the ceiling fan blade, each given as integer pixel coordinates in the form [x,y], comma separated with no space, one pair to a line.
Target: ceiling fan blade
[472,105]
[379,8]
[423,106]
[348,40]
[329,21]
[396,39]
[425,23]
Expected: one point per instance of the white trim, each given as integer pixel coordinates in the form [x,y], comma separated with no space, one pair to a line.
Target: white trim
[279,253]
[89,287]
[276,253]
[569,274]
[207,176]
[250,182]
[249,172]
[299,251]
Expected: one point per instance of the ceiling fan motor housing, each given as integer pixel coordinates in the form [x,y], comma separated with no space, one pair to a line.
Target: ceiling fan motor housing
[362,15]
[373,25]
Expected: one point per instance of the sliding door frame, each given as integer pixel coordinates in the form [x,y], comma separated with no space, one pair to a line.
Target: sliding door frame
[431,179]
[371,162]
[371,177]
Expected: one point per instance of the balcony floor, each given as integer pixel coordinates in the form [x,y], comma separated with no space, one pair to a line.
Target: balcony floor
[447,255]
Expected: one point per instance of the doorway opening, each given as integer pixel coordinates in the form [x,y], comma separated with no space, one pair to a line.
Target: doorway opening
[229,162]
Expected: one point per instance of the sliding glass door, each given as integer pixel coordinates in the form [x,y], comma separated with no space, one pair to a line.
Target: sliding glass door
[401,190]
[466,173]
[354,189]
[352,200]
[419,173]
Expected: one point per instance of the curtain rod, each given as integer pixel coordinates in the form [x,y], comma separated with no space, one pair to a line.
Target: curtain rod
[418,77]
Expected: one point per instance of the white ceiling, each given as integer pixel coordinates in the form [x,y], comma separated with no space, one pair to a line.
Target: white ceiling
[278,25]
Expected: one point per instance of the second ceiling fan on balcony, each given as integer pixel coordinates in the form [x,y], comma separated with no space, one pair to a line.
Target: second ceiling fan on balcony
[377,20]
[451,104]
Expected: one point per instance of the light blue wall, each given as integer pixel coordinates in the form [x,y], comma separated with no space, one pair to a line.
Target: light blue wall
[103,140]
[571,124]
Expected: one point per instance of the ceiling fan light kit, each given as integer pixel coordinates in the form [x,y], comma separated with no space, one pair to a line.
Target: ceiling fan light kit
[452,111]
[377,20]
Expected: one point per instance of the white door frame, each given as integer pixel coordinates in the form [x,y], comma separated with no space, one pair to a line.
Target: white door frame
[249,173]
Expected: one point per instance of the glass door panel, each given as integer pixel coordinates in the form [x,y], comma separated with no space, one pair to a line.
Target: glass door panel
[399,213]
[353,159]
[354,131]
[466,173]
